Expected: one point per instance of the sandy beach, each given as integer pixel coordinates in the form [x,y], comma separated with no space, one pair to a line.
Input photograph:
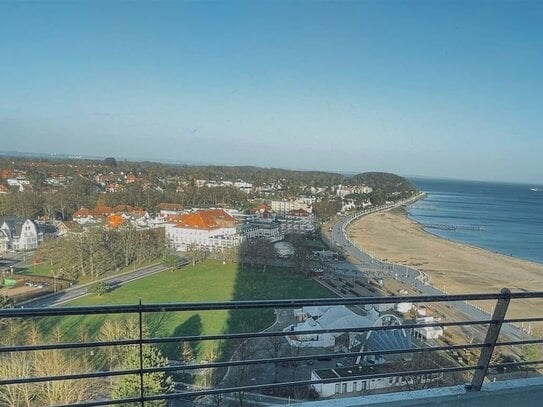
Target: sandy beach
[453,267]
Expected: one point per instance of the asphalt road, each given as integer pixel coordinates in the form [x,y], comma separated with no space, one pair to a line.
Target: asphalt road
[53,300]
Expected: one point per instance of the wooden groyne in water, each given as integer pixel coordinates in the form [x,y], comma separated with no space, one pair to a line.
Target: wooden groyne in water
[451,227]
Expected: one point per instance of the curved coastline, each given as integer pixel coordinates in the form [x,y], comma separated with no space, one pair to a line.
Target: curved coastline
[451,266]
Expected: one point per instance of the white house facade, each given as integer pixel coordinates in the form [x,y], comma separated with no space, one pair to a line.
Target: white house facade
[207,229]
[20,234]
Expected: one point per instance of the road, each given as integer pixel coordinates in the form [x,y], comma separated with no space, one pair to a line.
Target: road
[408,275]
[59,298]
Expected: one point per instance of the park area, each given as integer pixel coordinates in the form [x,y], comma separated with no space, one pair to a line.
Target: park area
[207,281]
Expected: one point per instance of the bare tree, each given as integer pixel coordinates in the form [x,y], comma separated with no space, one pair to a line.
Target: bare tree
[17,364]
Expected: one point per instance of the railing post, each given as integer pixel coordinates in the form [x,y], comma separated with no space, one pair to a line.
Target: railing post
[491,338]
[140,314]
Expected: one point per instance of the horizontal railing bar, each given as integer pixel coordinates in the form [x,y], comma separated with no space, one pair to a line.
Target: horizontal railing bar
[309,382]
[74,376]
[237,305]
[225,390]
[520,342]
[214,365]
[101,402]
[520,363]
[68,345]
[316,331]
[241,363]
[517,320]
[245,335]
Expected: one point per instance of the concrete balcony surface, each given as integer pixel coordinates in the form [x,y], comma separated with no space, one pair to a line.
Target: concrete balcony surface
[520,392]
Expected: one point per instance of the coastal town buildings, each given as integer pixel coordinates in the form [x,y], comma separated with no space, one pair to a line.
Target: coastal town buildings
[207,229]
[283,208]
[297,221]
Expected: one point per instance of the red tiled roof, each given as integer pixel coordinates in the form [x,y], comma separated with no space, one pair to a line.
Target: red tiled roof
[82,213]
[123,208]
[103,210]
[207,219]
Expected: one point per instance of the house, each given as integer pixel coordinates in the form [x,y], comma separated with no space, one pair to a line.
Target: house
[330,318]
[167,209]
[64,228]
[357,378]
[4,241]
[22,234]
[84,216]
[212,229]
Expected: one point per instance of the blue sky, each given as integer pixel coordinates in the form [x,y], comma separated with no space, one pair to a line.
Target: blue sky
[435,88]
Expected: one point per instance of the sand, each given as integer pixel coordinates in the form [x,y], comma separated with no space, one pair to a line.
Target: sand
[453,267]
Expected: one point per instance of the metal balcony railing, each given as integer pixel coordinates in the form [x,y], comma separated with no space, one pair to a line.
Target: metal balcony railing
[480,369]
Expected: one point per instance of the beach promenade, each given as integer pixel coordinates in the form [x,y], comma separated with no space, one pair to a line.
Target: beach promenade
[386,242]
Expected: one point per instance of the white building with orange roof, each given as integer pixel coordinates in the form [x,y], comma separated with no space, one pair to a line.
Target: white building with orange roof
[212,229]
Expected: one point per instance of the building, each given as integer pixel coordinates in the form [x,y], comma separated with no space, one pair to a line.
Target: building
[283,208]
[263,230]
[169,209]
[85,216]
[343,190]
[211,230]
[323,318]
[22,234]
[297,221]
[351,378]
[4,241]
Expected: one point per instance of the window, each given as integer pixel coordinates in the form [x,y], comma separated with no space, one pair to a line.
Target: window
[355,386]
[337,388]
[344,389]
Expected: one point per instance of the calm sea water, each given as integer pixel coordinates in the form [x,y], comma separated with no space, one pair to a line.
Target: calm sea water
[506,218]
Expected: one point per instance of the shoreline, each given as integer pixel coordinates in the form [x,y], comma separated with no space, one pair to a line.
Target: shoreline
[474,246]
[471,245]
[453,267]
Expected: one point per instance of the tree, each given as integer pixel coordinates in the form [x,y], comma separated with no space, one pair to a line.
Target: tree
[153,383]
[110,162]
[17,364]
[171,261]
[186,353]
[532,353]
[99,289]
[258,251]
[302,254]
[5,301]
[195,253]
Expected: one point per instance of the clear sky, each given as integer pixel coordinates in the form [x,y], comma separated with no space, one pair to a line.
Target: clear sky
[435,88]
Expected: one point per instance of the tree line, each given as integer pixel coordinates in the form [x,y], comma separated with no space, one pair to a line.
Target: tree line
[100,250]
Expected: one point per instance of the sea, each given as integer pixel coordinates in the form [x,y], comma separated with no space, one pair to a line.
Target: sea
[499,217]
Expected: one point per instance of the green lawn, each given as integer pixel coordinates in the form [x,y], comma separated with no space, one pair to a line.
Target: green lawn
[208,281]
[41,269]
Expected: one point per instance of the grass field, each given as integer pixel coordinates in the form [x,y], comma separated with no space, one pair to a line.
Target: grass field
[41,269]
[208,281]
